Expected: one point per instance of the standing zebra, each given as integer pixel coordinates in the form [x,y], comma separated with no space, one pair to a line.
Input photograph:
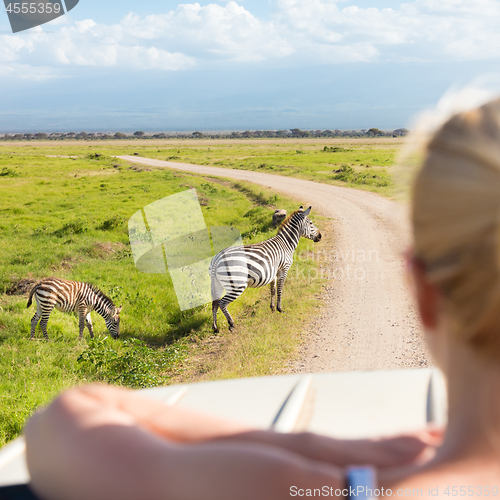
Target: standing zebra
[236,268]
[72,296]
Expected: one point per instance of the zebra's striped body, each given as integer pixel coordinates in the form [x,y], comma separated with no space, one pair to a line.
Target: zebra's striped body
[72,296]
[267,263]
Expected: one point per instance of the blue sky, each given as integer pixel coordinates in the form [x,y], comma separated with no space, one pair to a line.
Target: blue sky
[247,64]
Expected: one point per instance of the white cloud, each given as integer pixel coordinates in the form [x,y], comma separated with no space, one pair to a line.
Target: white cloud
[426,29]
[229,32]
[86,43]
[305,31]
[173,41]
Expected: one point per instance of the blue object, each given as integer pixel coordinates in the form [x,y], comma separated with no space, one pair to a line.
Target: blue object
[361,482]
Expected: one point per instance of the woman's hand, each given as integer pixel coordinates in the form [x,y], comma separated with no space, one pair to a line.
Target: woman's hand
[418,447]
[382,453]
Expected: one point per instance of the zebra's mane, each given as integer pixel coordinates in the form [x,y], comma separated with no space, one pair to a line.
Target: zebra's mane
[287,220]
[101,294]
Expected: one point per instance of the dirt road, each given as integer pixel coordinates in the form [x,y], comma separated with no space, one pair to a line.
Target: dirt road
[369,321]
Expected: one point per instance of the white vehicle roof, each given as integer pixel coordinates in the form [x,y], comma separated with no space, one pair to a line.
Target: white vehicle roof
[347,405]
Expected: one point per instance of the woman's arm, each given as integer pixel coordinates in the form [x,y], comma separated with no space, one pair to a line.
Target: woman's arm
[122,440]
[382,453]
[102,442]
[177,424]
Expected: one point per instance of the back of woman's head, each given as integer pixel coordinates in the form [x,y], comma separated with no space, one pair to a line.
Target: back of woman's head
[456,222]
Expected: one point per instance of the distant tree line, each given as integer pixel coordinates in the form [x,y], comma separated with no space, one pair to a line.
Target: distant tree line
[247,134]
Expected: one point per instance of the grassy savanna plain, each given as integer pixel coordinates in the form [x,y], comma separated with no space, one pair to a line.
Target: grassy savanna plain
[64,210]
[358,163]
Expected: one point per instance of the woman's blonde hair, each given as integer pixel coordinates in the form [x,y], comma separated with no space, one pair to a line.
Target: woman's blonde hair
[456,221]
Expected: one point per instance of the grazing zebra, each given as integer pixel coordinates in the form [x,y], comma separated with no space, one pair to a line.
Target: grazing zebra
[72,296]
[236,268]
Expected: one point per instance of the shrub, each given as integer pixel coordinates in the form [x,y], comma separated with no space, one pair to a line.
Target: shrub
[347,174]
[95,156]
[136,365]
[78,226]
[7,172]
[207,186]
[335,149]
[111,223]
[344,173]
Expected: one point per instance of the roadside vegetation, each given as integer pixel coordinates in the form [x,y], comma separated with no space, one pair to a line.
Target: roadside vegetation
[63,212]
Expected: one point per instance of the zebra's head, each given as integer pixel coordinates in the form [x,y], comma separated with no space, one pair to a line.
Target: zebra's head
[308,229]
[113,322]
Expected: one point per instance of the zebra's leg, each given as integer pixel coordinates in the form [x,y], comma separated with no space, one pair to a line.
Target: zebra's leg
[35,319]
[281,282]
[273,293]
[216,290]
[45,320]
[215,307]
[82,313]
[223,308]
[226,300]
[88,322]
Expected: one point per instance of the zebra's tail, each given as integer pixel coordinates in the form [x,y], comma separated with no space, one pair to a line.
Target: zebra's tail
[33,290]
[215,287]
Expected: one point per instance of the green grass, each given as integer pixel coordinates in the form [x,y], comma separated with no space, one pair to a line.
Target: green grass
[369,166]
[67,217]
[320,160]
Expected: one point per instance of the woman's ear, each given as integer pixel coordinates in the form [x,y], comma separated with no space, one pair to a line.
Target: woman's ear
[427,294]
